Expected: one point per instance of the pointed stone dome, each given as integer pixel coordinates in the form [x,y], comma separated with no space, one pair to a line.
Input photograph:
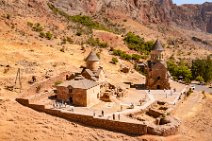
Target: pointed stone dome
[157,46]
[92,57]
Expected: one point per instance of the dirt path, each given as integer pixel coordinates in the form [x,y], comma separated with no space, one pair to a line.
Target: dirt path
[195,114]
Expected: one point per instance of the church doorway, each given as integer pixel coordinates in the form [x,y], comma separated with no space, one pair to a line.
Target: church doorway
[70,100]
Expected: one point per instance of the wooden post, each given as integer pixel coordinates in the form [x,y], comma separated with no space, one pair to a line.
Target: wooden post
[18,78]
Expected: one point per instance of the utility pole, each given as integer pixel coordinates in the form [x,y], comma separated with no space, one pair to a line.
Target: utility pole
[18,78]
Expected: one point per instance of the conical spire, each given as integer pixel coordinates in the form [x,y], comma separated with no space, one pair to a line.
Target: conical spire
[92,57]
[157,46]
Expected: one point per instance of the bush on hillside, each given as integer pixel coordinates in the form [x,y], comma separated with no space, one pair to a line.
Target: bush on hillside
[95,42]
[202,68]
[37,27]
[125,56]
[178,70]
[114,60]
[135,42]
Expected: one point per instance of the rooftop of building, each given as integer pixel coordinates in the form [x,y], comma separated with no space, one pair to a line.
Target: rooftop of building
[79,82]
[92,57]
[157,46]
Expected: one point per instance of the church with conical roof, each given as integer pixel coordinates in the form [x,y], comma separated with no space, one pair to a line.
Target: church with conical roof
[157,74]
[93,70]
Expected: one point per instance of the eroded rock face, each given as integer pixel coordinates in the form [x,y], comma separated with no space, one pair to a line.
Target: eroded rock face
[195,16]
[145,11]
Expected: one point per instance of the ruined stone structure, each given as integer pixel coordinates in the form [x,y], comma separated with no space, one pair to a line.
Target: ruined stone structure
[79,91]
[93,70]
[157,74]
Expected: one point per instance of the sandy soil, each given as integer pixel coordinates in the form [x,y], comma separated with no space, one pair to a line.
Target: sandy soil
[195,113]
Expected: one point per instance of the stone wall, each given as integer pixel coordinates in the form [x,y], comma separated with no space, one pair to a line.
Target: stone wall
[164,130]
[93,95]
[157,77]
[79,97]
[117,126]
[92,65]
[171,128]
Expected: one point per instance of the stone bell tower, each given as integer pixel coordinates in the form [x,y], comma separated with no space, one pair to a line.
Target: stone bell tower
[92,61]
[157,74]
[157,54]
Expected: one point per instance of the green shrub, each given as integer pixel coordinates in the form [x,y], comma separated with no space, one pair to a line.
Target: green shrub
[95,42]
[202,68]
[136,57]
[114,60]
[37,27]
[88,22]
[125,56]
[180,69]
[30,24]
[57,83]
[81,19]
[135,42]
[49,35]
[42,34]
[199,78]
[117,52]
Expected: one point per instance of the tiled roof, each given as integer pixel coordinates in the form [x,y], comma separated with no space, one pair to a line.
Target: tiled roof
[79,82]
[92,57]
[157,46]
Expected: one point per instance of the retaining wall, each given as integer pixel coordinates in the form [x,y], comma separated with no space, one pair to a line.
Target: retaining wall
[118,126]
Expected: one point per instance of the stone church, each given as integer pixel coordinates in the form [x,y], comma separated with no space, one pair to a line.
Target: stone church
[93,70]
[84,88]
[79,91]
[157,74]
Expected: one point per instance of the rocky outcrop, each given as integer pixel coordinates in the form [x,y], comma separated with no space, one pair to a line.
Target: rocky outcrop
[145,11]
[194,16]
[197,17]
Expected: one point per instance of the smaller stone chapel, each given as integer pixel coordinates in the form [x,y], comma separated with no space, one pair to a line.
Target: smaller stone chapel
[84,88]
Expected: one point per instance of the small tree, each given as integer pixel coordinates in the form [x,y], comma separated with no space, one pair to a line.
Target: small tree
[49,35]
[114,60]
[200,79]
[42,34]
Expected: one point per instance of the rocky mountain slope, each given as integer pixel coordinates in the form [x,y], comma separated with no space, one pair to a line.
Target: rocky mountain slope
[145,11]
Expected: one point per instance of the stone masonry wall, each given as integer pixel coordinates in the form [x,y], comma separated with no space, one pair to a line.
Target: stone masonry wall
[118,126]
[112,125]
